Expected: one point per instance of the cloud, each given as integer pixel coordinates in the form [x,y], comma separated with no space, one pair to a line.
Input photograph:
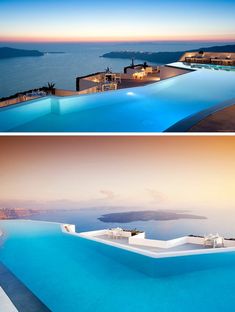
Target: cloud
[156,196]
[108,194]
[42,204]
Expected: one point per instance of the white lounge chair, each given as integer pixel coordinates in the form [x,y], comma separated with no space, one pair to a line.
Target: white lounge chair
[117,232]
[110,233]
[214,241]
[219,241]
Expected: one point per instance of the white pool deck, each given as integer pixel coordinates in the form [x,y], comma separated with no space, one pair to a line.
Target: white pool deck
[124,241]
[5,303]
[182,246]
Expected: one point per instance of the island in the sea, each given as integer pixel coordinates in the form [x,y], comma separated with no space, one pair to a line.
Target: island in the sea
[7,52]
[147,215]
[164,57]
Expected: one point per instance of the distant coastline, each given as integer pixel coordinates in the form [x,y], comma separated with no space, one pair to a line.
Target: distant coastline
[164,57]
[6,53]
[20,213]
[16,213]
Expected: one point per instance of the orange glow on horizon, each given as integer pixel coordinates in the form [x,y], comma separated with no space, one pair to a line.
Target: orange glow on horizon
[154,171]
[116,39]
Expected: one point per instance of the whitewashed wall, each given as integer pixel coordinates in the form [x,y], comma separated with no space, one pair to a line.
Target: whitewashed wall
[94,233]
[141,241]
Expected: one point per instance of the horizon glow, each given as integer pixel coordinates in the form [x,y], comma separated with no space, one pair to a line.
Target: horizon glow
[165,172]
[79,21]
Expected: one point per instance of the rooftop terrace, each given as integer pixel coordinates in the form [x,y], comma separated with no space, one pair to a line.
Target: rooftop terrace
[216,58]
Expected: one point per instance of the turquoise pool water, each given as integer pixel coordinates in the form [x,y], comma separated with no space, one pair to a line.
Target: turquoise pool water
[152,108]
[69,273]
[212,67]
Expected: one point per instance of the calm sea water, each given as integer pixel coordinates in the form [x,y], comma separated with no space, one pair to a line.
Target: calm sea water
[220,220]
[20,74]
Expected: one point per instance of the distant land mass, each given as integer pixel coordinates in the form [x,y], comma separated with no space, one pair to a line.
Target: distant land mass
[16,213]
[19,213]
[6,52]
[164,57]
[147,215]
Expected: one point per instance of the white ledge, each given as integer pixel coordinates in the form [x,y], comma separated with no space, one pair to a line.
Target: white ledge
[94,236]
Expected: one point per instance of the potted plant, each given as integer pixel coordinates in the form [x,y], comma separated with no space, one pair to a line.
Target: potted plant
[50,88]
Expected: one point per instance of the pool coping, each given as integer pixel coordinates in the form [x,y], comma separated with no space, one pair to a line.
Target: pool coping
[187,123]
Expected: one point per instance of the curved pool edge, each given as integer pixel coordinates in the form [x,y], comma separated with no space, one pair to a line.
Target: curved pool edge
[183,118]
[70,97]
[187,123]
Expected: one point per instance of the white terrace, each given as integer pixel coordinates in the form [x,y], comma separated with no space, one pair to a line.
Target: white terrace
[186,245]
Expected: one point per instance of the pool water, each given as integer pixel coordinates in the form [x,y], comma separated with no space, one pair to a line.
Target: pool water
[152,108]
[69,273]
[212,67]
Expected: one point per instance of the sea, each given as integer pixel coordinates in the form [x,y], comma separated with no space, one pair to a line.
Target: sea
[88,219]
[25,73]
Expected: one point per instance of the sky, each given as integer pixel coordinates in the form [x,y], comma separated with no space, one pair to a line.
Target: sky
[105,20]
[157,172]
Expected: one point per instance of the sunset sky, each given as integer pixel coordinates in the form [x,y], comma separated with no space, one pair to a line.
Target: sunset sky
[75,20]
[80,172]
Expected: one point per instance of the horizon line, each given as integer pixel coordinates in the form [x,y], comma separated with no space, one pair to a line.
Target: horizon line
[106,40]
[116,41]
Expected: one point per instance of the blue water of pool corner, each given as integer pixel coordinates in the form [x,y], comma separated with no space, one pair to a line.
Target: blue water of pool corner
[71,273]
[152,108]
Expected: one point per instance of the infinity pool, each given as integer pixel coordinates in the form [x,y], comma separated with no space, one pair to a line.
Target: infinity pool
[153,108]
[69,273]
